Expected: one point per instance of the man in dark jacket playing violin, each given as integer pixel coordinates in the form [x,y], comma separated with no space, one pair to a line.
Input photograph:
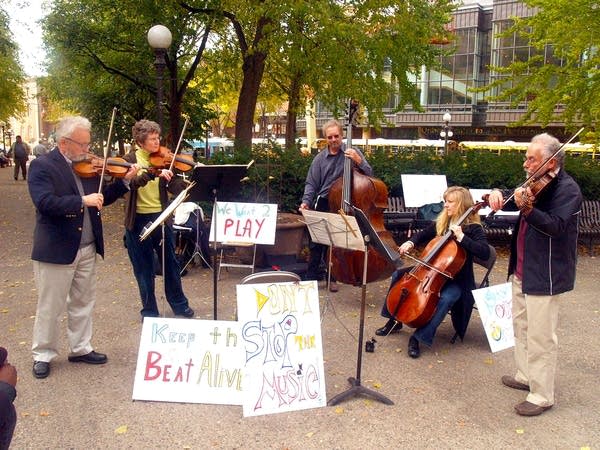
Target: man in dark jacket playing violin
[66,239]
[542,267]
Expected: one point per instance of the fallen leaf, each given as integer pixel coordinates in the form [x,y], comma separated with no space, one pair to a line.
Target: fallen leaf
[520,430]
[377,385]
[339,410]
[121,430]
[309,434]
[44,413]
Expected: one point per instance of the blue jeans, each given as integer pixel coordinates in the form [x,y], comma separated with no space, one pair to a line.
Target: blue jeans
[449,295]
[141,255]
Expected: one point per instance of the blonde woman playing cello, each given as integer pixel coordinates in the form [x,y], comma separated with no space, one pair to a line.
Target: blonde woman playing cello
[455,294]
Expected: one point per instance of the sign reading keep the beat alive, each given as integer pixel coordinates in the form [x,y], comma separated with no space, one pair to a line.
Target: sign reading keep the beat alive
[244,222]
[281,333]
[194,361]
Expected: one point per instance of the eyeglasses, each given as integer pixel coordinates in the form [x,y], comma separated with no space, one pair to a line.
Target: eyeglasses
[333,136]
[81,145]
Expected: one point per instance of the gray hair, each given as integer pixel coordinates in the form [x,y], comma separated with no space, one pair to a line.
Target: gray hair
[142,129]
[67,126]
[549,144]
[330,124]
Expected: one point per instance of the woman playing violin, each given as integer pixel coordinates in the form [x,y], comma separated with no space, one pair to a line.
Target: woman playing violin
[147,199]
[455,294]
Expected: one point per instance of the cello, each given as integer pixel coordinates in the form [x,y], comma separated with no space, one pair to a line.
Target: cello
[370,195]
[414,298]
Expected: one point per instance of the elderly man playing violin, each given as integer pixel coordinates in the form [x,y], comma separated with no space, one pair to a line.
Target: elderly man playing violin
[147,199]
[66,239]
[542,265]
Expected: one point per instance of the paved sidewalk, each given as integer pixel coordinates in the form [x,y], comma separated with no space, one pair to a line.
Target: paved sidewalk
[451,397]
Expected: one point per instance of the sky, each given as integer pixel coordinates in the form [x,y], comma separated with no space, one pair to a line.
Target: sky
[27,33]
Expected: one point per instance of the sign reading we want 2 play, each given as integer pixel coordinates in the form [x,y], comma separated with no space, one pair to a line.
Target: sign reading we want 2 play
[270,360]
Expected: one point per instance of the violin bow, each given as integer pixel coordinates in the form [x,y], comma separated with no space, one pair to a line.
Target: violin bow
[110,130]
[179,143]
[539,169]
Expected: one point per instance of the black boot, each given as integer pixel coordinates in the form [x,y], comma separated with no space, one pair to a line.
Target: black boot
[413,347]
[392,326]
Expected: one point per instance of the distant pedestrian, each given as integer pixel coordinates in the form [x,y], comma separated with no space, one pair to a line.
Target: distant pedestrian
[20,152]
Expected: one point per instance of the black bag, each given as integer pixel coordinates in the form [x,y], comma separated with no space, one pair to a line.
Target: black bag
[430,211]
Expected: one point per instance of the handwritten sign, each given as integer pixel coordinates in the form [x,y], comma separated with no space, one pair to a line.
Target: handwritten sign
[281,334]
[193,361]
[495,309]
[244,222]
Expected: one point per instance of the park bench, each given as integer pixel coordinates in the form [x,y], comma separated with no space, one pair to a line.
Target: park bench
[499,228]
[399,220]
[589,223]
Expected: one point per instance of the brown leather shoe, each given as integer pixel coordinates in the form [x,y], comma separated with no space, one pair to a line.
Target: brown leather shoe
[530,409]
[509,381]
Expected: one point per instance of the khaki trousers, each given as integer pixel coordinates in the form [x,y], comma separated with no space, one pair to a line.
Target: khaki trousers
[73,285]
[535,320]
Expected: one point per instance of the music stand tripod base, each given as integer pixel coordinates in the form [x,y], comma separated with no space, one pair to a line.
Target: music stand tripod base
[358,389]
[355,387]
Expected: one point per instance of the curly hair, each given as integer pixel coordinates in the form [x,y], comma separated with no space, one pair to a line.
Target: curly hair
[142,129]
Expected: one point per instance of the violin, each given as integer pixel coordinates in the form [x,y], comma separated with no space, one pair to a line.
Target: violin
[164,158]
[94,165]
[542,177]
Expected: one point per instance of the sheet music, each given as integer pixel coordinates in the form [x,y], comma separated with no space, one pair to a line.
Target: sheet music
[334,230]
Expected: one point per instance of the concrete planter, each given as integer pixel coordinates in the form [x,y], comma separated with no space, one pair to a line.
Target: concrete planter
[290,237]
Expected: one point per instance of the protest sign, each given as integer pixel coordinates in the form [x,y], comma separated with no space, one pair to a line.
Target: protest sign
[495,309]
[244,222]
[281,333]
[194,361]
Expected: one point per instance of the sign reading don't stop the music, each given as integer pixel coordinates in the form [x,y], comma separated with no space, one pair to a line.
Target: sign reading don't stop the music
[244,222]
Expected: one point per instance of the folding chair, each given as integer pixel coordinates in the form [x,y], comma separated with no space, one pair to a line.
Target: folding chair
[226,264]
[183,227]
[488,265]
[272,276]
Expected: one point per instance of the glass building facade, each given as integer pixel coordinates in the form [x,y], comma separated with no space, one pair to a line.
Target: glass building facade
[477,48]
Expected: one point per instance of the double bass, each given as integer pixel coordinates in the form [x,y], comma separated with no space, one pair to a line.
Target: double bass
[370,195]
[414,298]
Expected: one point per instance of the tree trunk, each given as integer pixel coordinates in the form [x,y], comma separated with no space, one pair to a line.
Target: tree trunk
[293,109]
[253,69]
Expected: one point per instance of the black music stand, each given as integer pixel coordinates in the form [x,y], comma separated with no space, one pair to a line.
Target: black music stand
[213,183]
[347,239]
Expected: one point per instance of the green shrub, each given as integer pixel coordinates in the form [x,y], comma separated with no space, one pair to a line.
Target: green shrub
[278,176]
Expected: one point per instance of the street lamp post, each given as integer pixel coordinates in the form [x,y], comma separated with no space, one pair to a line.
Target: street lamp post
[2,124]
[159,38]
[446,131]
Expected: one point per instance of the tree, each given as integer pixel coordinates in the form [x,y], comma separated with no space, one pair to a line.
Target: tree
[561,81]
[12,76]
[100,58]
[335,49]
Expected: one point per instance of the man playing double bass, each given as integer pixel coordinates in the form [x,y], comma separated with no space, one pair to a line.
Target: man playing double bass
[327,167]
[455,294]
[542,266]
